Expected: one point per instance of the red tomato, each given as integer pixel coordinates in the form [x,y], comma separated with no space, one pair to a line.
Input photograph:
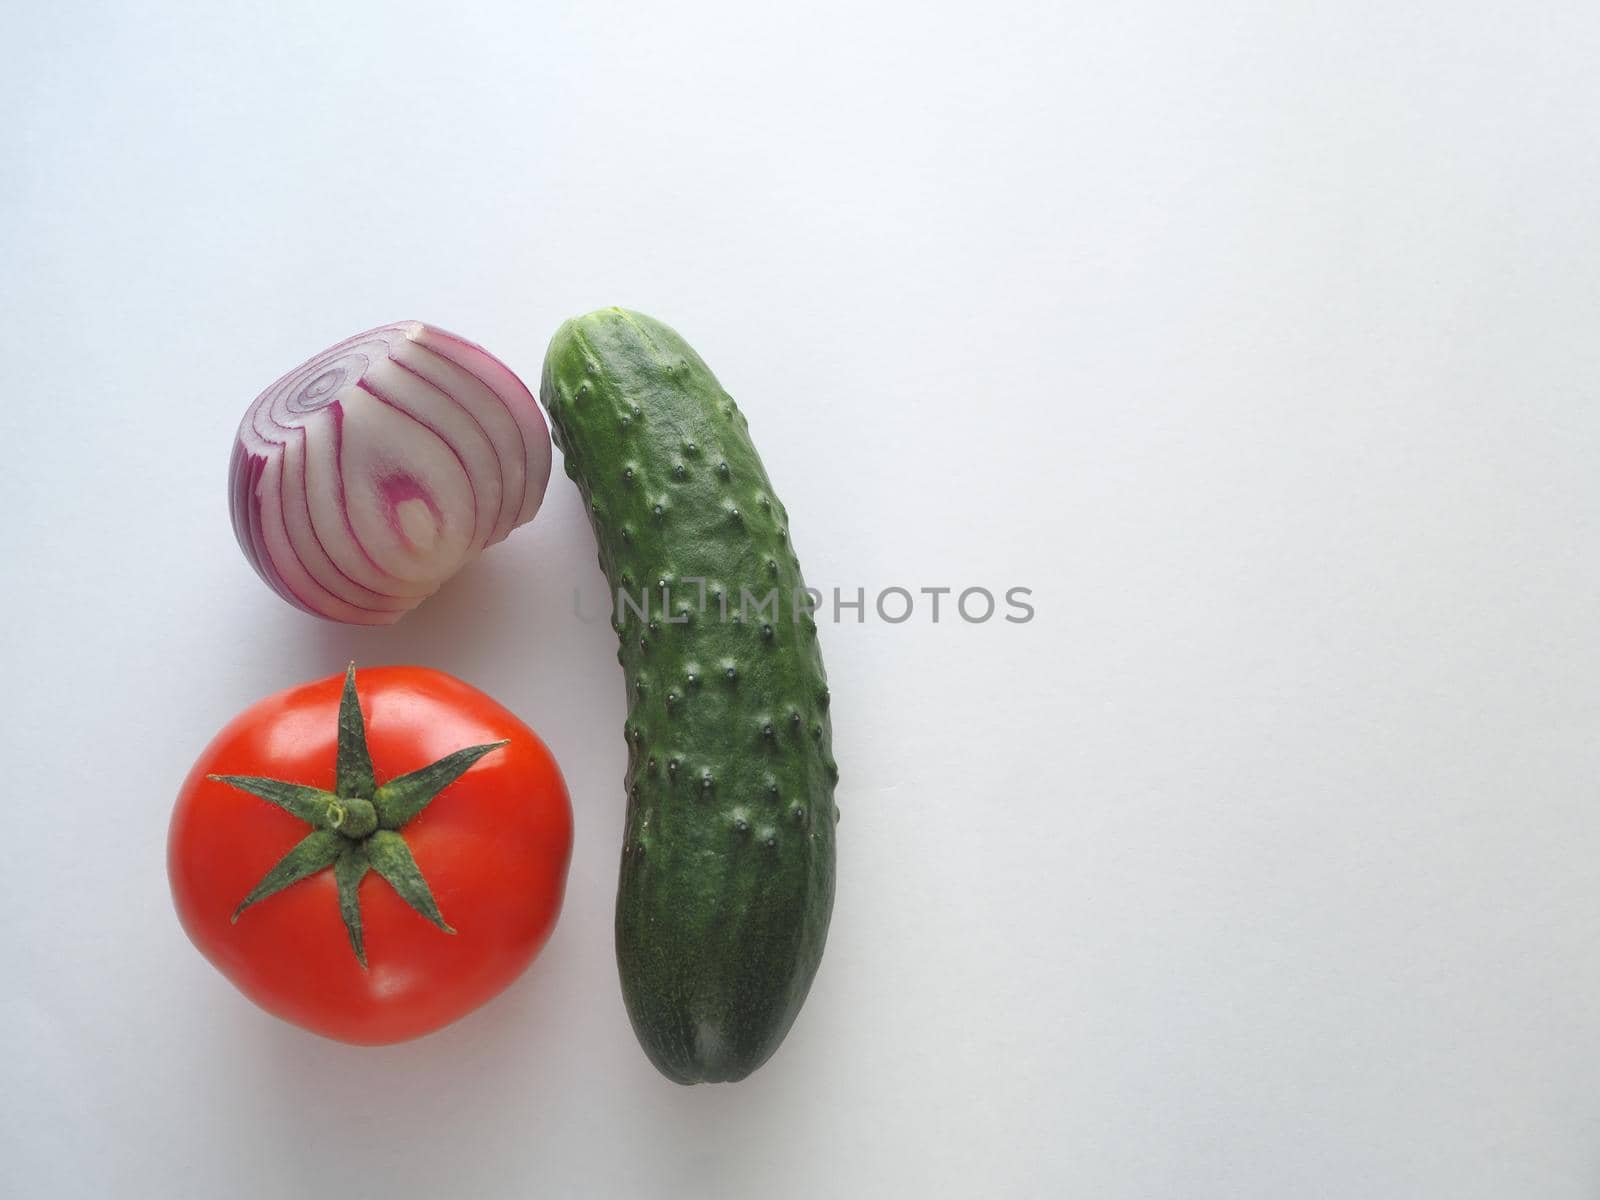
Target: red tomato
[492,846]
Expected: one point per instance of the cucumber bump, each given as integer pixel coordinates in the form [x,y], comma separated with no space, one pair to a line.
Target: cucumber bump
[727,875]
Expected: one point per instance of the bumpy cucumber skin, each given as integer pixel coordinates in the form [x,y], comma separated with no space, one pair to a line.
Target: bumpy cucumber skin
[727,876]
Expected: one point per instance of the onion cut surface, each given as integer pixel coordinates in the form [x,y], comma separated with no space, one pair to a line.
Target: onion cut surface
[369,475]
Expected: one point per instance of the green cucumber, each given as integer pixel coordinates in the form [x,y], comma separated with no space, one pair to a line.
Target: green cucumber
[727,872]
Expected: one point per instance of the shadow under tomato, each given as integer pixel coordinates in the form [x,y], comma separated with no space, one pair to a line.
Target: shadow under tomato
[383,1119]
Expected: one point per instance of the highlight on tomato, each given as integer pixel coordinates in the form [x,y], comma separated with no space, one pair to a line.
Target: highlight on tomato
[372,861]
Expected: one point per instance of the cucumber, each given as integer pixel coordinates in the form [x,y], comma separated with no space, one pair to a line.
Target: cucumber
[727,874]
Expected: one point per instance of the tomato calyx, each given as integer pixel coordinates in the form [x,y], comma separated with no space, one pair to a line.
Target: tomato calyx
[355,827]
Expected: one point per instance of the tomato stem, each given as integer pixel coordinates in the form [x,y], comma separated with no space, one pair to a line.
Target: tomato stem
[355,818]
[355,827]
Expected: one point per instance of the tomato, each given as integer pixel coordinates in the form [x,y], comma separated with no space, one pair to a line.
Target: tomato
[306,879]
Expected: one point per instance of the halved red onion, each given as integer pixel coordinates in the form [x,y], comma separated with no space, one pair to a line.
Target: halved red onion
[366,477]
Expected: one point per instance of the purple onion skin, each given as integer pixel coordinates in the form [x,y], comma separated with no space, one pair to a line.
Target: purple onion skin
[370,474]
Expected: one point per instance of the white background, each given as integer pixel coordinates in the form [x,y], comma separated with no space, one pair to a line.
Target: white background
[1259,339]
